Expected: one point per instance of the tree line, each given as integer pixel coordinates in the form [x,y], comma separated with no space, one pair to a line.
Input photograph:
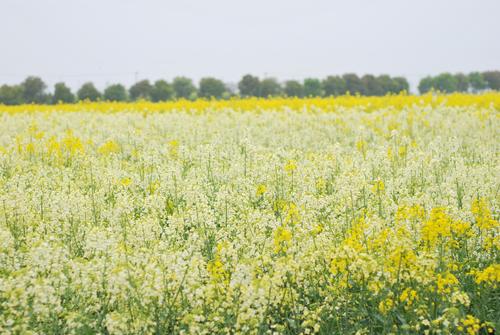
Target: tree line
[34,89]
[473,82]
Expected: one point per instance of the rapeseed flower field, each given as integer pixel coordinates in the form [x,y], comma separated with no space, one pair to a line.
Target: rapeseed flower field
[348,215]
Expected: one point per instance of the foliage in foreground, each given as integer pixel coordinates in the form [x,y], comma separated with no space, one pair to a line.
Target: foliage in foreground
[288,217]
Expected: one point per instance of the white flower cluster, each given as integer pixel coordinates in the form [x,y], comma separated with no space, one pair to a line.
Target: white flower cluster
[256,222]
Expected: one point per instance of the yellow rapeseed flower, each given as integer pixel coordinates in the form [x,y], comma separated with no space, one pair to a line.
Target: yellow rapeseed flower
[290,166]
[125,181]
[261,189]
[282,239]
[490,275]
[109,147]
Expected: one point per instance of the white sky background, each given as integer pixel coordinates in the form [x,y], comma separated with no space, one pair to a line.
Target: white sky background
[108,41]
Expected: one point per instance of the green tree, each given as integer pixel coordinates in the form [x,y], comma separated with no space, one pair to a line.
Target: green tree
[11,95]
[386,83]
[446,82]
[334,85]
[88,92]
[493,79]
[353,83]
[115,92]
[34,90]
[249,86]
[293,88]
[477,82]
[270,87]
[184,88]
[62,93]
[462,82]
[211,88]
[162,91]
[400,84]
[312,87]
[141,90]
[425,85]
[371,86]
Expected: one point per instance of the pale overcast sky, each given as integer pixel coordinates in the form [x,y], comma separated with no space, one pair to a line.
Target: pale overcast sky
[110,41]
